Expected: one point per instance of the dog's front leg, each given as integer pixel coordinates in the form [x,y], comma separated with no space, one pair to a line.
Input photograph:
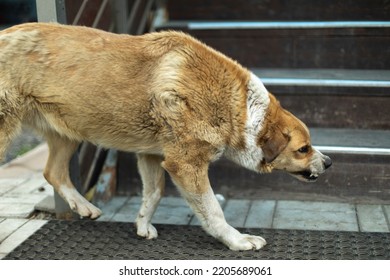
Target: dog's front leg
[193,183]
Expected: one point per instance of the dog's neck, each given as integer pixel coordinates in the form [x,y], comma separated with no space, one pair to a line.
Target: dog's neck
[257,103]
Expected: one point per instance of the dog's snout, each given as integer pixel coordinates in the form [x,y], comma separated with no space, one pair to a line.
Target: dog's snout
[327,162]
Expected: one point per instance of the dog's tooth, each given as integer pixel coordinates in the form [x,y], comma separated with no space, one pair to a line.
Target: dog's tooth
[313,176]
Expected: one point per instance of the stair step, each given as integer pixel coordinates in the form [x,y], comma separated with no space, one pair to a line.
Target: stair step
[346,137]
[341,45]
[351,141]
[353,150]
[337,110]
[325,78]
[358,99]
[324,10]
[220,25]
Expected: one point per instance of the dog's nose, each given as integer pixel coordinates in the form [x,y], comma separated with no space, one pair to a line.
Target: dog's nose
[327,162]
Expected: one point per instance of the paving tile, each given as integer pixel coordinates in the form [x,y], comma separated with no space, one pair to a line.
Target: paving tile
[4,189]
[20,235]
[173,201]
[11,181]
[315,206]
[135,200]
[315,216]
[16,210]
[24,198]
[128,213]
[35,184]
[261,214]
[236,211]
[176,215]
[371,218]
[8,226]
[172,210]
[112,207]
[45,188]
[386,209]
[7,185]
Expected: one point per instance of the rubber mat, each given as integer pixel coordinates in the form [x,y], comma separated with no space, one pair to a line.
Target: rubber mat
[88,240]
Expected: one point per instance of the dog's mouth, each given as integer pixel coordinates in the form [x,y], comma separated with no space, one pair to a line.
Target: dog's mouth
[305,176]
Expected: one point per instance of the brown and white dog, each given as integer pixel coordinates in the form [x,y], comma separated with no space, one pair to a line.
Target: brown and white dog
[172,100]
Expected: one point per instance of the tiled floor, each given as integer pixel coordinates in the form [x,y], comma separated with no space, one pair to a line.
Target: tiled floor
[263,214]
[22,188]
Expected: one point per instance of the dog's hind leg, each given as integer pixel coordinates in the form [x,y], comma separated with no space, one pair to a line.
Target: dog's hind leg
[8,129]
[11,114]
[153,180]
[56,173]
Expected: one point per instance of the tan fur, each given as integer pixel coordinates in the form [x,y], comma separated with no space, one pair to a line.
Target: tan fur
[176,102]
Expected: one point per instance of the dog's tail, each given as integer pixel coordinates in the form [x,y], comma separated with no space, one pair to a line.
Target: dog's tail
[10,118]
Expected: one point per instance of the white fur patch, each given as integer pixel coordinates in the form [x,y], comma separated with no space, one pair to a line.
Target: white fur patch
[78,203]
[257,104]
[209,213]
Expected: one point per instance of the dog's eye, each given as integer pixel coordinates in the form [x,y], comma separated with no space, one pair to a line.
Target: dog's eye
[304,149]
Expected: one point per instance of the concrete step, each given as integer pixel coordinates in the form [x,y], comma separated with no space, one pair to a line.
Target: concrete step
[341,45]
[324,10]
[370,141]
[333,98]
[347,78]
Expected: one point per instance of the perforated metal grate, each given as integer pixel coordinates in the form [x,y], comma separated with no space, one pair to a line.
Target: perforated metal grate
[113,240]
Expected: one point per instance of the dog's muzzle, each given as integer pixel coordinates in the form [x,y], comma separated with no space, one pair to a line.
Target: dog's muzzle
[317,169]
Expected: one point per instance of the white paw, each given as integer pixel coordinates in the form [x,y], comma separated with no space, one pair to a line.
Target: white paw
[247,242]
[80,205]
[146,230]
[85,209]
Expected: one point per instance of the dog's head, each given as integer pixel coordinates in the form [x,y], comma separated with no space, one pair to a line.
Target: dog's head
[286,145]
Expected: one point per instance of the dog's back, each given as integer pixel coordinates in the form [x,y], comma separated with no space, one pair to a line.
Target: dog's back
[91,85]
[75,81]
[66,79]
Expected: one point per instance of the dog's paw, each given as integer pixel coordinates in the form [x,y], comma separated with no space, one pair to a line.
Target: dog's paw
[80,205]
[247,242]
[146,230]
[85,209]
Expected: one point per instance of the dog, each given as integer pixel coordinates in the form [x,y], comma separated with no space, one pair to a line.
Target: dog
[175,102]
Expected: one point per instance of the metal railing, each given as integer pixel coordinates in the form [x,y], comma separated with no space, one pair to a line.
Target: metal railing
[123,16]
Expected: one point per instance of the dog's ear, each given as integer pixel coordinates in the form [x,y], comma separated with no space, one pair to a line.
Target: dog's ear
[273,143]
